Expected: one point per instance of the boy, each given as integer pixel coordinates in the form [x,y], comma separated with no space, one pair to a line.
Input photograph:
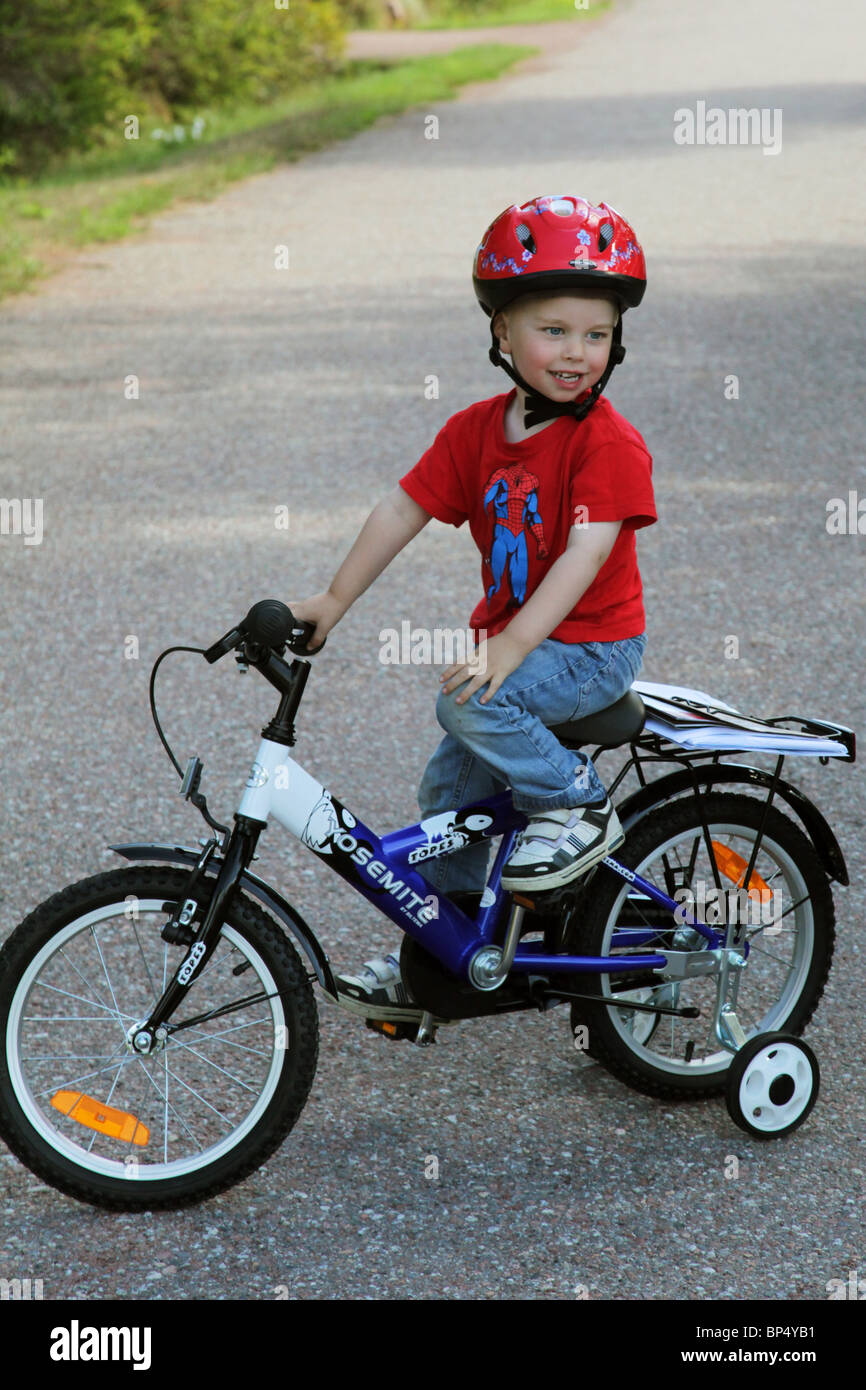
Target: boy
[554,483]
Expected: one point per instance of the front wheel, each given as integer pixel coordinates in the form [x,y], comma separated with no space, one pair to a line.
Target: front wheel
[790,935]
[128,1132]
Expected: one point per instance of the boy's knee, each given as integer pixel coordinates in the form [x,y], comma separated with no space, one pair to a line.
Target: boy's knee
[456,718]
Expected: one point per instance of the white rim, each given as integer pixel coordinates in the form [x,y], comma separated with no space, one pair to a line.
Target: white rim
[36,1115]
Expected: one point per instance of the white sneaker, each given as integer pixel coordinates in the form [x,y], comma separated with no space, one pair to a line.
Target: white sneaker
[377,982]
[558,846]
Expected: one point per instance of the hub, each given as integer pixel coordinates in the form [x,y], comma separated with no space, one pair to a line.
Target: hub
[143,1043]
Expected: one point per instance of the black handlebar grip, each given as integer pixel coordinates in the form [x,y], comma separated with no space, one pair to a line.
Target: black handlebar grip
[302,631]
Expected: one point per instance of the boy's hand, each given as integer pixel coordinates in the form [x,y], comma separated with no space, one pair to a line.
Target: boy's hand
[493,661]
[323,610]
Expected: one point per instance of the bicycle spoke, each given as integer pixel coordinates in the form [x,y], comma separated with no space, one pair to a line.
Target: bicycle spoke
[228,1042]
[153,990]
[209,1062]
[198,1096]
[175,1114]
[55,989]
[84,979]
[105,970]
[762,951]
[87,1076]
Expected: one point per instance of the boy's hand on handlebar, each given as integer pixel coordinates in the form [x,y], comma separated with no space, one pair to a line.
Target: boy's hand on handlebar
[323,610]
[492,662]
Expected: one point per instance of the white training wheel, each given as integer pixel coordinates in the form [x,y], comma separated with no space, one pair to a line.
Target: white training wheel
[772,1085]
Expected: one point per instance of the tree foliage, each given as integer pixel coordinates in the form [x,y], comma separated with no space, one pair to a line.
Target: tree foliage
[70,70]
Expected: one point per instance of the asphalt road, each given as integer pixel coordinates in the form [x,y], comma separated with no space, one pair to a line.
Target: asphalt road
[304,388]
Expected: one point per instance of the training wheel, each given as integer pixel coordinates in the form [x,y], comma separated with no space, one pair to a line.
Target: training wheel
[772,1085]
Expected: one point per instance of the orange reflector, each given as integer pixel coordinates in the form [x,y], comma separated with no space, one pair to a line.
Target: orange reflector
[734,867]
[119,1124]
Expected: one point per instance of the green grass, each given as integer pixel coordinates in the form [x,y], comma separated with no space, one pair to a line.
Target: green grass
[450,14]
[109,193]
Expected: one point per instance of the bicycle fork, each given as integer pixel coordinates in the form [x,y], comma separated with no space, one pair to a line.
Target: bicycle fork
[151,1035]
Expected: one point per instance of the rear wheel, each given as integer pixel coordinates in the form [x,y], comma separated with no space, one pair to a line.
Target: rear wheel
[129,1132]
[790,939]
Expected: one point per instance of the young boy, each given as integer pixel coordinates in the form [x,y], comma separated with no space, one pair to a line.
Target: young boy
[554,484]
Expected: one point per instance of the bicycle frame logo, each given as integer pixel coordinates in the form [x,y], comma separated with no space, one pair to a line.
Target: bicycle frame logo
[188,969]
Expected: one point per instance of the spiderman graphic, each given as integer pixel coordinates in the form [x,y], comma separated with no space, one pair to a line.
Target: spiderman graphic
[512,492]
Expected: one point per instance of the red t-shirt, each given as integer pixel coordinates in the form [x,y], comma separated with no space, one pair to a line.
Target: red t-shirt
[521,501]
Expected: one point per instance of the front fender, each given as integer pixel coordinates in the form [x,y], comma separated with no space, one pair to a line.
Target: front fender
[636,806]
[257,888]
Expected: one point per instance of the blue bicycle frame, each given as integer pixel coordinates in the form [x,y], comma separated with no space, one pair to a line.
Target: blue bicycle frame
[381,869]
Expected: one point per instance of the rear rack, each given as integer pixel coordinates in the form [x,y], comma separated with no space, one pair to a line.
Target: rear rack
[837,732]
[697,723]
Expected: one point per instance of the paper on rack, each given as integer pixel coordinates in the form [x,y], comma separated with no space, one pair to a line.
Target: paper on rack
[717,726]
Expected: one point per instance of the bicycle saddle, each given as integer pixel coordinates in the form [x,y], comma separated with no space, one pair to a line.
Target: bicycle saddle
[619,723]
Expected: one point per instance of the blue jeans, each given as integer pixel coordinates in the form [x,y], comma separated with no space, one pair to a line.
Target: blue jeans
[506,742]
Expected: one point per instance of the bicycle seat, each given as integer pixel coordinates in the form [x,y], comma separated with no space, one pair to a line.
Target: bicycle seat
[619,723]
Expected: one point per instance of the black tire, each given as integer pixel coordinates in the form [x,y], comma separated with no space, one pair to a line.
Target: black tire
[74,976]
[655,1058]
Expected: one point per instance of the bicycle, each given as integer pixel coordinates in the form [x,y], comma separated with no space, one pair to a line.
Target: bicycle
[159,1022]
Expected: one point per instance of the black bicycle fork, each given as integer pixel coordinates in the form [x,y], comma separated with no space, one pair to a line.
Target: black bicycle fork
[151,1034]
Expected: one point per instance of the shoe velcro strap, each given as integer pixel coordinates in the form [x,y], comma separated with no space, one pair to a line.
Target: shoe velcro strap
[382,969]
[581,836]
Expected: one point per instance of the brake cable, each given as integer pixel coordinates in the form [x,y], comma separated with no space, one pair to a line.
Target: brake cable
[194,769]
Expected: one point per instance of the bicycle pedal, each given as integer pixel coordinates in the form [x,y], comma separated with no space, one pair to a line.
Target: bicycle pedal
[397,1032]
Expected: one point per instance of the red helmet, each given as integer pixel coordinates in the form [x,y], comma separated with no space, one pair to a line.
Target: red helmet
[558,243]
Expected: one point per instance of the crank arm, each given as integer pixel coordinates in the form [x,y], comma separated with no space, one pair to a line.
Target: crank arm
[385,1013]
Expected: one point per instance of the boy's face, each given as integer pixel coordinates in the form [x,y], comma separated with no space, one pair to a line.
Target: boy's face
[560,345]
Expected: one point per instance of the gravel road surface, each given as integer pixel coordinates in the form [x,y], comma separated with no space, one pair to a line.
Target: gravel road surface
[263,388]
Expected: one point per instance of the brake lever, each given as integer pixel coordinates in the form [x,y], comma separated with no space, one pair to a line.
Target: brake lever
[226,644]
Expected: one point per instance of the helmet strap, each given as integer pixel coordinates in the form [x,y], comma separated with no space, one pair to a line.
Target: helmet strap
[539,408]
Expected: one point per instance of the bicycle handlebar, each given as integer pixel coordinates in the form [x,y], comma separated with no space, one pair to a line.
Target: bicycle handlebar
[269,624]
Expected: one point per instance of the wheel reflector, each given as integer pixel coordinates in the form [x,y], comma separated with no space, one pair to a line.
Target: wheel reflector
[105,1119]
[734,867]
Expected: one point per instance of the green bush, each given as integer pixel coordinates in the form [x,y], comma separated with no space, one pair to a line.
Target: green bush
[206,51]
[63,72]
[70,70]
[362,14]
